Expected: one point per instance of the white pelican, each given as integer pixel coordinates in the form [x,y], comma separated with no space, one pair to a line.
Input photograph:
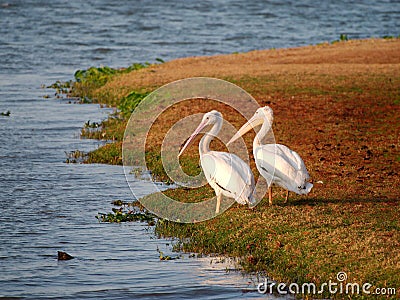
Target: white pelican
[275,162]
[227,174]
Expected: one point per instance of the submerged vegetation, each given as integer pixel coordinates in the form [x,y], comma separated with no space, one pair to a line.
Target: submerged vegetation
[5,114]
[75,156]
[127,212]
[337,106]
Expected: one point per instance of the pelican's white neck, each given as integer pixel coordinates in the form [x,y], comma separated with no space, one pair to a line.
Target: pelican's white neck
[265,127]
[204,145]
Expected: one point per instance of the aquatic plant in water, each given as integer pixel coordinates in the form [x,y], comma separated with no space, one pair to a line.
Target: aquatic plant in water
[162,256]
[75,156]
[127,212]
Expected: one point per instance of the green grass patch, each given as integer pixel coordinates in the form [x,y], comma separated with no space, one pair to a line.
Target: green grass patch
[111,129]
[129,103]
[87,81]
[108,154]
[304,241]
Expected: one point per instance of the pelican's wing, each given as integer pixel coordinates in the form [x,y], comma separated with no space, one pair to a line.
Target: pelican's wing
[241,167]
[302,178]
[293,157]
[295,160]
[290,156]
[229,172]
[283,166]
[223,165]
[274,160]
[300,163]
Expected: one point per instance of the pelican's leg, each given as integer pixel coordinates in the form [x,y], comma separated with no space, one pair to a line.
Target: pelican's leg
[287,196]
[270,195]
[219,197]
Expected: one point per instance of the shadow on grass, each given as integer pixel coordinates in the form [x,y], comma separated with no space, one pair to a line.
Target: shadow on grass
[319,201]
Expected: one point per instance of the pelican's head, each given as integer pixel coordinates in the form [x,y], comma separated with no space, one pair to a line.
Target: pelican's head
[263,114]
[266,111]
[210,118]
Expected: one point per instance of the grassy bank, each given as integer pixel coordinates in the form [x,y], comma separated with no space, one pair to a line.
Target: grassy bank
[338,106]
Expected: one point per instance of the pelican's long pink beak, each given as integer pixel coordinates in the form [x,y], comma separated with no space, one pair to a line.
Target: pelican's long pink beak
[191,138]
[252,123]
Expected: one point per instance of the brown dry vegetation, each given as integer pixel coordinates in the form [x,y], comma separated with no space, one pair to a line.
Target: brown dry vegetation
[335,104]
[352,57]
[338,106]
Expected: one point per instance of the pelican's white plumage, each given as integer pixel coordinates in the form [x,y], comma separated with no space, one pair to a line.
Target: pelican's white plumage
[275,162]
[226,173]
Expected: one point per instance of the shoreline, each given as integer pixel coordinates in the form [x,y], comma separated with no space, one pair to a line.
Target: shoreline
[335,104]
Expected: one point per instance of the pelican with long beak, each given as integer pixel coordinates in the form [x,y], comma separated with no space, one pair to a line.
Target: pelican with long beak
[276,163]
[226,173]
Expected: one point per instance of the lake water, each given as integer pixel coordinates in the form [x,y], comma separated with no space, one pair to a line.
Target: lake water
[47,205]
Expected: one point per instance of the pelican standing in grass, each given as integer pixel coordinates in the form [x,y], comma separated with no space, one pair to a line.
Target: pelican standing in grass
[226,173]
[275,162]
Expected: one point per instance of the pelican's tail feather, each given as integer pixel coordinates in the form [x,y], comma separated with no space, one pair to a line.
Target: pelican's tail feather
[308,188]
